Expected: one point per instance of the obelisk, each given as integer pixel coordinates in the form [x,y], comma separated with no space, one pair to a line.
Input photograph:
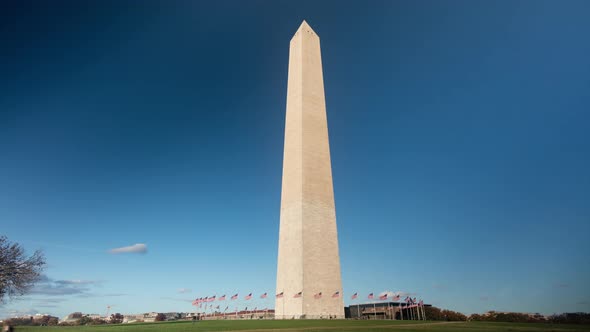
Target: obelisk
[308,259]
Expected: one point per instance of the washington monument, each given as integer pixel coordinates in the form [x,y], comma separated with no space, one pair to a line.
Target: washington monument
[308,268]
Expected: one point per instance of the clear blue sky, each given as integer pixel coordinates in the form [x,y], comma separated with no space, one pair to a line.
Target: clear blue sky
[460,136]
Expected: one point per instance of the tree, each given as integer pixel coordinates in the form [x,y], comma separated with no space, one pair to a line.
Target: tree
[160,317]
[18,273]
[116,318]
[85,320]
[434,313]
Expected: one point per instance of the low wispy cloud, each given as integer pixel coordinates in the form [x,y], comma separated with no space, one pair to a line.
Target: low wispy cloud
[561,285]
[439,286]
[184,290]
[400,293]
[76,282]
[138,248]
[89,295]
[176,299]
[484,298]
[49,287]
[50,300]
[22,312]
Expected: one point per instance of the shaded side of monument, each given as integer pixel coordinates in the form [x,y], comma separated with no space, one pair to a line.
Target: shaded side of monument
[308,258]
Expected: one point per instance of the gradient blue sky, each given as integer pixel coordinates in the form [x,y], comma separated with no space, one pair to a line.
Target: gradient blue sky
[460,136]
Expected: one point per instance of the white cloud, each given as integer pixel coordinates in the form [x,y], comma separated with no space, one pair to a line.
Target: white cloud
[439,286]
[139,248]
[22,312]
[400,293]
[176,299]
[52,287]
[76,282]
[184,290]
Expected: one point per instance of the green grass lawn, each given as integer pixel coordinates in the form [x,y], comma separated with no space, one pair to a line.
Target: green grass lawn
[316,325]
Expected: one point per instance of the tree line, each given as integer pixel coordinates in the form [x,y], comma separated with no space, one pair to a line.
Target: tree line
[76,319]
[434,313]
[517,317]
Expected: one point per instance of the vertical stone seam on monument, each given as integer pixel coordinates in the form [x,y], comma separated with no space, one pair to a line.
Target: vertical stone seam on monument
[302,66]
[302,168]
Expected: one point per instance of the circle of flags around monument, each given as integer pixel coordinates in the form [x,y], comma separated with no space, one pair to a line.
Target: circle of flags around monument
[385,296]
[210,310]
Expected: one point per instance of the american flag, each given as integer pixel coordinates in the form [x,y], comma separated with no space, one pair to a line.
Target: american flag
[414,300]
[226,309]
[318,296]
[222,298]
[337,294]
[249,296]
[196,301]
[263,296]
[204,299]
[279,295]
[407,299]
[396,298]
[371,296]
[217,307]
[211,299]
[354,296]
[234,297]
[298,294]
[383,297]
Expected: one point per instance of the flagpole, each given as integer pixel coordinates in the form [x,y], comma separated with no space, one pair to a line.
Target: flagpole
[401,310]
[358,310]
[421,312]
[390,310]
[374,310]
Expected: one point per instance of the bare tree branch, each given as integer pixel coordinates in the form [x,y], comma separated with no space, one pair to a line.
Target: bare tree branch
[18,273]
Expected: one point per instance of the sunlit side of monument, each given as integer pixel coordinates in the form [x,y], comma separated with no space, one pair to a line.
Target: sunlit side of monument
[308,258]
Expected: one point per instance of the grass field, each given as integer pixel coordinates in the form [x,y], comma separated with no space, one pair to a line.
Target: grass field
[316,325]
